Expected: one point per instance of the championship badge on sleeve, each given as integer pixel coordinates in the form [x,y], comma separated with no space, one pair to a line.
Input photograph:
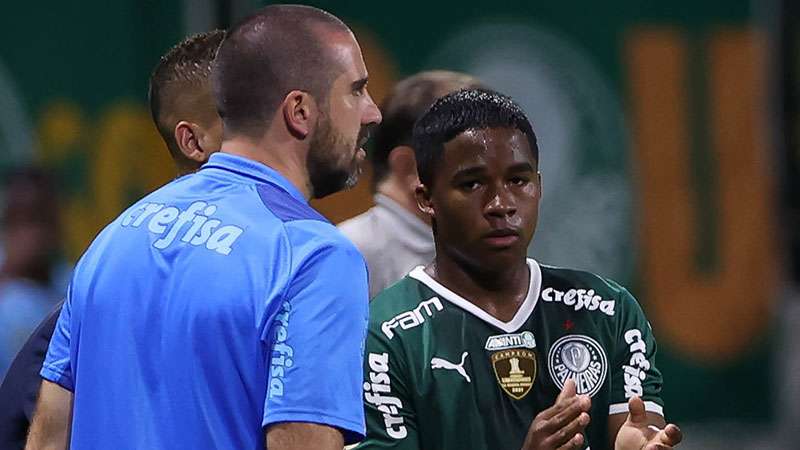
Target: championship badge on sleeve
[514,362]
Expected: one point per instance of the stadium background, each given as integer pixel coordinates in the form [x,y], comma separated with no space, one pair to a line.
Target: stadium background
[668,133]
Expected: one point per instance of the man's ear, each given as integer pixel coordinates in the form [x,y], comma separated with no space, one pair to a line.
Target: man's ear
[299,110]
[423,196]
[188,135]
[403,165]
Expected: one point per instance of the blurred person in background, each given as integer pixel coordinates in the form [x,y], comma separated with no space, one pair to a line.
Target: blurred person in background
[180,330]
[183,110]
[485,348]
[30,242]
[394,235]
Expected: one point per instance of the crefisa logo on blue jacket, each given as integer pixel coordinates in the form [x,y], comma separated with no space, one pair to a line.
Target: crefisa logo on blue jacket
[169,221]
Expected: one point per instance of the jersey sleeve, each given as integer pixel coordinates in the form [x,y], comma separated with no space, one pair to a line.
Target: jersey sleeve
[57,366]
[391,419]
[316,344]
[634,371]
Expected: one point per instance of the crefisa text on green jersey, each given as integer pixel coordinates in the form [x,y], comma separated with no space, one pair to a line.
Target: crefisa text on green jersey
[579,299]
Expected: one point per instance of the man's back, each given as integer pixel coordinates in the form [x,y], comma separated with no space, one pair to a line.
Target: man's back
[186,324]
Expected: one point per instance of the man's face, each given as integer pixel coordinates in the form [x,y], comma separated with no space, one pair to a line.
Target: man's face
[485,198]
[336,153]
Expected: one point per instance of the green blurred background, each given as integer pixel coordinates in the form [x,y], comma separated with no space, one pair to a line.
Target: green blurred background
[669,153]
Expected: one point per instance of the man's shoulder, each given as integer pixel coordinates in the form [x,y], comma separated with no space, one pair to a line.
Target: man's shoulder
[285,206]
[361,230]
[401,297]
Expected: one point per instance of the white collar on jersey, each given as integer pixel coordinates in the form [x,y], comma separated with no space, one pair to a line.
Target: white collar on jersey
[524,311]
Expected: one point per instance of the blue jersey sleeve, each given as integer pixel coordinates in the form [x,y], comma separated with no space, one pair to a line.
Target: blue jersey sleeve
[57,364]
[317,344]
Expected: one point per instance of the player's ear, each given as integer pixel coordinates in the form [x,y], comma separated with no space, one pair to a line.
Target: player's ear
[188,136]
[423,196]
[299,110]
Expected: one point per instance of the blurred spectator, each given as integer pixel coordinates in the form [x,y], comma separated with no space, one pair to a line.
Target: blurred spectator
[394,236]
[30,239]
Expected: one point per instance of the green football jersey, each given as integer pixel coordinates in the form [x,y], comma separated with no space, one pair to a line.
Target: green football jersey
[442,374]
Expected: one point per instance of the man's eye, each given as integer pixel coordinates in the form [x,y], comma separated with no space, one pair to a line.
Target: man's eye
[470,185]
[519,181]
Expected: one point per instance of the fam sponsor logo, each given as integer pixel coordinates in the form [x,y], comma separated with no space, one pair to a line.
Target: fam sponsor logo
[169,222]
[282,353]
[410,319]
[581,359]
[508,341]
[579,299]
[635,371]
[378,392]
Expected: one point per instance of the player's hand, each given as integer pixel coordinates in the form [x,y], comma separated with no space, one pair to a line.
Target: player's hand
[637,434]
[560,427]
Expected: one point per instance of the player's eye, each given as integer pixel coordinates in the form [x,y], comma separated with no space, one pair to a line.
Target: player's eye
[519,181]
[469,185]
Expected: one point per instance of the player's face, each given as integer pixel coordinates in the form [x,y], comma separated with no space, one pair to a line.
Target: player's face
[485,198]
[336,154]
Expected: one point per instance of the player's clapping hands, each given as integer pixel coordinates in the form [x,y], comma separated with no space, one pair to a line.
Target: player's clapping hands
[637,434]
[560,427]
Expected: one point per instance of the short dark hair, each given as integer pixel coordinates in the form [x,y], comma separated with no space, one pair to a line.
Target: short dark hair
[278,49]
[467,109]
[185,66]
[407,102]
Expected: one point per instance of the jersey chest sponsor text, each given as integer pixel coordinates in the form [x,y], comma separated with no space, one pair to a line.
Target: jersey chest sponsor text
[194,225]
[579,299]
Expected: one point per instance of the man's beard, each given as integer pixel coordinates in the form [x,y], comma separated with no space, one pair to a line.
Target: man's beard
[325,171]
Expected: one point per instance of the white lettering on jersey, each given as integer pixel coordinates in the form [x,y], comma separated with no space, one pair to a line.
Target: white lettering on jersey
[439,363]
[200,229]
[410,319]
[282,353]
[378,392]
[509,341]
[579,299]
[635,371]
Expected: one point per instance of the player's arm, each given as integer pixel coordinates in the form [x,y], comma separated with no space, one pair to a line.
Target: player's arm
[636,415]
[315,351]
[298,435]
[392,421]
[560,427]
[53,419]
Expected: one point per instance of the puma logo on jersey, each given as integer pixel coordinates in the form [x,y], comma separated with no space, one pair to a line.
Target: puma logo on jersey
[439,363]
[579,299]
[410,319]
